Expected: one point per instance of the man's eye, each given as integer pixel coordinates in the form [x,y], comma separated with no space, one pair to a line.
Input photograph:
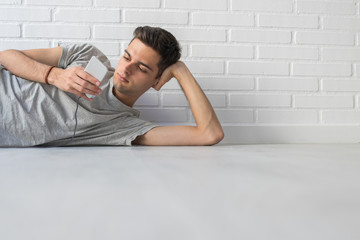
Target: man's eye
[142,70]
[126,58]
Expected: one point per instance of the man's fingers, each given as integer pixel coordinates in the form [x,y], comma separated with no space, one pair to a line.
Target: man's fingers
[84,82]
[162,81]
[88,77]
[84,86]
[158,86]
[87,89]
[80,94]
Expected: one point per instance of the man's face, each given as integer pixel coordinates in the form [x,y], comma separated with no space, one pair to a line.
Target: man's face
[136,71]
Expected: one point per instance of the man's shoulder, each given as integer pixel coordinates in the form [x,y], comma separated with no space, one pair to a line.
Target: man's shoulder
[80,47]
[80,54]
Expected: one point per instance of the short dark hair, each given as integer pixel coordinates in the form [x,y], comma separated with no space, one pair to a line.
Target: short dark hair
[163,42]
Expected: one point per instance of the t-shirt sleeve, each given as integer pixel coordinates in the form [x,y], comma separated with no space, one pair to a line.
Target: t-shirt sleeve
[117,132]
[80,55]
[122,132]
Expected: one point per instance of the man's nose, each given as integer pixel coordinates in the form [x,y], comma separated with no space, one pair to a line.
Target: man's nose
[127,68]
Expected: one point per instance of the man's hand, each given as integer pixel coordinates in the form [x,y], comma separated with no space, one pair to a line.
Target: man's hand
[172,71]
[75,80]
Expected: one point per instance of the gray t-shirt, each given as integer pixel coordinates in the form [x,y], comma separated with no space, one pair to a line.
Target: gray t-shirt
[35,114]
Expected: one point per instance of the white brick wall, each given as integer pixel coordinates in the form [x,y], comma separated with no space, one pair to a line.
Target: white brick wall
[260,101]
[25,14]
[341,23]
[322,69]
[324,38]
[288,21]
[275,71]
[320,7]
[9,30]
[86,15]
[201,5]
[263,5]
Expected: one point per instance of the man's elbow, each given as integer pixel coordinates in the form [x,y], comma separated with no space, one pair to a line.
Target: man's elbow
[4,55]
[214,137]
[1,56]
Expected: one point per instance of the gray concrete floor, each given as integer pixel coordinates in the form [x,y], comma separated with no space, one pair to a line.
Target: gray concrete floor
[221,192]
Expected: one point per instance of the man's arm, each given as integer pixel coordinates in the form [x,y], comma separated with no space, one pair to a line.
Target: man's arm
[207,131]
[34,64]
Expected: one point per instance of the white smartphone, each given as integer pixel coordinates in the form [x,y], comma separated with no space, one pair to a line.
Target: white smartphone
[96,69]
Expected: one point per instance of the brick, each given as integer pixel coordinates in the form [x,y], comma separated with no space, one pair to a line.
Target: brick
[326,7]
[197,4]
[226,83]
[341,54]
[263,5]
[341,117]
[263,100]
[87,15]
[60,2]
[108,48]
[321,69]
[10,1]
[218,83]
[235,116]
[148,99]
[206,67]
[57,31]
[261,36]
[179,99]
[288,84]
[222,51]
[341,85]
[325,38]
[292,52]
[357,70]
[287,116]
[157,17]
[174,100]
[9,30]
[164,114]
[171,85]
[24,44]
[223,19]
[341,23]
[114,32]
[198,34]
[288,21]
[25,14]
[334,101]
[259,68]
[129,3]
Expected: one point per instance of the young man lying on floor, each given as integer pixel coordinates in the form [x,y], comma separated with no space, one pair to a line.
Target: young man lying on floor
[42,89]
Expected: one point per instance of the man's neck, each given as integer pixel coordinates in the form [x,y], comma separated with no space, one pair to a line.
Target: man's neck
[127,100]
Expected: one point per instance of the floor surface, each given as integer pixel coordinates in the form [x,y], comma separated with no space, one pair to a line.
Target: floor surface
[225,192]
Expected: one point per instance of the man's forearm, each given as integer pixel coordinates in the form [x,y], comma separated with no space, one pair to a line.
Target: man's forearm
[35,65]
[23,66]
[203,112]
